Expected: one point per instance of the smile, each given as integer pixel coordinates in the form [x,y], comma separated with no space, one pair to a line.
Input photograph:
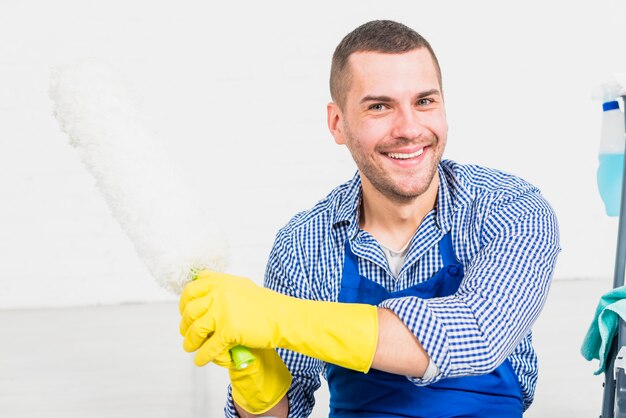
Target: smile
[400,156]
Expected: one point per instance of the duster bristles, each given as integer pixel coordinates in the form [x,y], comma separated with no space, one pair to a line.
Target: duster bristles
[171,232]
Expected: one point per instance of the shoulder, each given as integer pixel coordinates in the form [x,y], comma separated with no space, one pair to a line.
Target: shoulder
[498,210]
[334,208]
[490,188]
[479,180]
[307,245]
[497,204]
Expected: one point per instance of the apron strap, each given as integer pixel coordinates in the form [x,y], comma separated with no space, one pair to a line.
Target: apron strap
[350,280]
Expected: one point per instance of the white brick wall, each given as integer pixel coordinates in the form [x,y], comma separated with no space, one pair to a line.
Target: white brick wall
[238,91]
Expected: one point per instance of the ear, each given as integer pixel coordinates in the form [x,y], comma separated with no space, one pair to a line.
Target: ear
[335,122]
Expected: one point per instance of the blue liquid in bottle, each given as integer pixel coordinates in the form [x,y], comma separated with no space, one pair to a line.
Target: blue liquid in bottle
[610,173]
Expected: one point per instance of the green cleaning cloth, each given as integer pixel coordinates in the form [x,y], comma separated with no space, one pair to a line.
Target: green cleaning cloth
[603,328]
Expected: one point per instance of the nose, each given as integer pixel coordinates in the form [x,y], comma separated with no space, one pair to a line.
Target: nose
[407,124]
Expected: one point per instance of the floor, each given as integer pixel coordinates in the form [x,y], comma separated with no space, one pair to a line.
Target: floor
[127,361]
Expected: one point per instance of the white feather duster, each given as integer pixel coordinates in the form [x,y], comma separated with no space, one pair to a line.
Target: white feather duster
[173,235]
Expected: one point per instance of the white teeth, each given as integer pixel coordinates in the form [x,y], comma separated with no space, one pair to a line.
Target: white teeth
[405,156]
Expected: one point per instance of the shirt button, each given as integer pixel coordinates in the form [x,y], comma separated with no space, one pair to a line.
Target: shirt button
[453,271]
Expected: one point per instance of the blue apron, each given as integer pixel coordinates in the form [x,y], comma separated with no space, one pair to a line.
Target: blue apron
[381,394]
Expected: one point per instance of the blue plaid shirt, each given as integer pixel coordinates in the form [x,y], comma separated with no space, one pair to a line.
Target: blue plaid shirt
[504,233]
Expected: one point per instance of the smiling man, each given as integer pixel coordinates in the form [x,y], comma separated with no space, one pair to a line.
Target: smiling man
[412,287]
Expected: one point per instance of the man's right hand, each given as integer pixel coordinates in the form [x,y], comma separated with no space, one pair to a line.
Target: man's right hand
[220,311]
[263,384]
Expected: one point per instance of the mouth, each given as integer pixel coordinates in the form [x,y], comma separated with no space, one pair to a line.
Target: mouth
[405,156]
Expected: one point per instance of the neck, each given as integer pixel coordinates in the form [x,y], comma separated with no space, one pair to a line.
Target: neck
[393,223]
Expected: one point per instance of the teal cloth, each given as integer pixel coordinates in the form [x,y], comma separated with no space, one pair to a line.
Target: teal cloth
[597,342]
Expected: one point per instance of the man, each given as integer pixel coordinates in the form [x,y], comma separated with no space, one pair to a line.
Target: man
[413,286]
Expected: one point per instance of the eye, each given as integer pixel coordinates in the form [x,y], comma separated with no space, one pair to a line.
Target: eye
[424,102]
[377,106]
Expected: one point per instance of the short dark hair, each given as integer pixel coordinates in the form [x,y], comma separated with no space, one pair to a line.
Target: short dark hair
[384,36]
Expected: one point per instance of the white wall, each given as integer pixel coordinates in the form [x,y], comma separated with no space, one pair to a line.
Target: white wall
[238,90]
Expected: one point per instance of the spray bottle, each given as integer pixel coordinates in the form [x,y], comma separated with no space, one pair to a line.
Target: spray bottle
[611,153]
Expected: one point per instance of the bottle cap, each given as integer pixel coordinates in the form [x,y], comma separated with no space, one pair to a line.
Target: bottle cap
[612,105]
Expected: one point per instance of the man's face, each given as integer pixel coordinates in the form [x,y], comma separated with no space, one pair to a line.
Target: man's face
[393,121]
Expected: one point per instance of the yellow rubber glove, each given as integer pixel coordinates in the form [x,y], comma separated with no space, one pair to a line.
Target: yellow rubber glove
[261,385]
[220,311]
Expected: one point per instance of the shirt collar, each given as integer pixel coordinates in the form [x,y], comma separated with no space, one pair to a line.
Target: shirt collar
[453,194]
[349,206]
[443,208]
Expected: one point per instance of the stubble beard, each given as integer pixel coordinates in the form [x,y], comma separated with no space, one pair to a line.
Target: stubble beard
[385,184]
[392,190]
